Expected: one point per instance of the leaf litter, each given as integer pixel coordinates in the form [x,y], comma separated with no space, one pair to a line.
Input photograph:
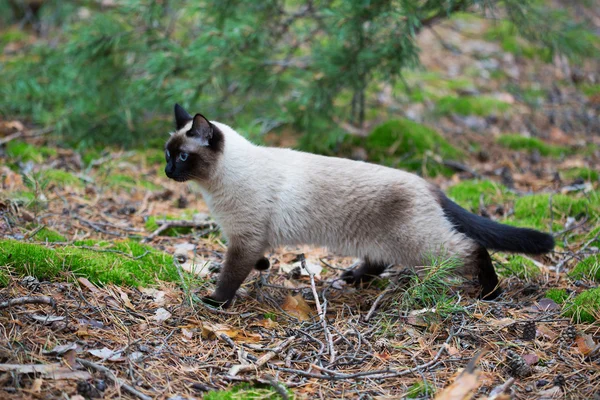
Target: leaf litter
[162,343]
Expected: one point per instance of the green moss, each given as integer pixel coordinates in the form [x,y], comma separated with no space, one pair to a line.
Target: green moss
[581,173]
[60,177]
[558,295]
[27,152]
[420,389]
[534,211]
[585,307]
[518,142]
[48,235]
[472,105]
[152,225]
[4,278]
[589,268]
[129,182]
[245,391]
[140,265]
[404,143]
[590,90]
[468,193]
[519,266]
[507,35]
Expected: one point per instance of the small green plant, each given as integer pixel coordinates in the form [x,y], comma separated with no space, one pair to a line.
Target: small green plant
[60,178]
[518,142]
[558,295]
[480,105]
[271,315]
[245,391]
[22,151]
[430,288]
[589,268]
[585,307]
[420,389]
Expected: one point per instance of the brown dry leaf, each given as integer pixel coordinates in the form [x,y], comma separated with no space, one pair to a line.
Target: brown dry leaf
[90,286]
[11,126]
[161,315]
[557,136]
[288,258]
[451,350]
[157,295]
[36,386]
[213,331]
[501,323]
[70,357]
[553,393]
[125,299]
[266,323]
[187,333]
[297,307]
[544,330]
[585,344]
[462,388]
[530,359]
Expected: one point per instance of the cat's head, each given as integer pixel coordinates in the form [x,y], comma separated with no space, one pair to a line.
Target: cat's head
[194,149]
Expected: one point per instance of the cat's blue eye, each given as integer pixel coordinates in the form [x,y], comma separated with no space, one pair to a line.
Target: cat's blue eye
[167,154]
[183,156]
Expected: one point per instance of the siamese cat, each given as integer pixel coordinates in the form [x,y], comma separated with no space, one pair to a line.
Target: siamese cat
[264,197]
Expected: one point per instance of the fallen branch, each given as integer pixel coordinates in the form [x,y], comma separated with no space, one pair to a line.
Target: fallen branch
[110,375]
[322,318]
[331,375]
[375,303]
[164,225]
[8,138]
[19,301]
[262,360]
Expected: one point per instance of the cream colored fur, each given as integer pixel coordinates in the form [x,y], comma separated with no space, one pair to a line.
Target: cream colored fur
[270,197]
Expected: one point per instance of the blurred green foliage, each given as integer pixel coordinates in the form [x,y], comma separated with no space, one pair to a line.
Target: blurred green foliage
[110,74]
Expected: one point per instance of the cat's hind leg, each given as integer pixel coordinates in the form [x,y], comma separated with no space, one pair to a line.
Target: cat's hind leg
[366,272]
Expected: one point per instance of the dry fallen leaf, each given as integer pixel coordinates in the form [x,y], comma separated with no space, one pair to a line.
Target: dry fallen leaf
[125,299]
[266,323]
[187,333]
[297,307]
[585,344]
[462,388]
[531,359]
[157,295]
[213,331]
[36,386]
[106,354]
[161,315]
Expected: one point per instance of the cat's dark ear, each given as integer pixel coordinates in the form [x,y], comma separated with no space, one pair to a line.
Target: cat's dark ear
[181,117]
[201,130]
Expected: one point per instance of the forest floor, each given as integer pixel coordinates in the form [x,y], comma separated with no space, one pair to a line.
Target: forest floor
[103,259]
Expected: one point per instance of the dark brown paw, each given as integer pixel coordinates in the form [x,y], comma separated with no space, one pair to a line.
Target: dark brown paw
[215,303]
[349,277]
[262,264]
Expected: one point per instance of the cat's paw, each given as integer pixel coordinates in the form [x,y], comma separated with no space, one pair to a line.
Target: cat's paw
[262,264]
[350,277]
[216,303]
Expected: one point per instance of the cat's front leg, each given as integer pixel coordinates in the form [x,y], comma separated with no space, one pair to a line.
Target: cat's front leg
[240,259]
